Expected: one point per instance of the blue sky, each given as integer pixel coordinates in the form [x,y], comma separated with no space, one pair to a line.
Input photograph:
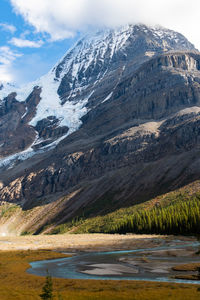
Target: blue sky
[28,63]
[35,34]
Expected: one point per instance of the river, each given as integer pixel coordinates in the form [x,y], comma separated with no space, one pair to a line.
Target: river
[149,264]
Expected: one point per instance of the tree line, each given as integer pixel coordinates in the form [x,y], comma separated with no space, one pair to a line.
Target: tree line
[176,218]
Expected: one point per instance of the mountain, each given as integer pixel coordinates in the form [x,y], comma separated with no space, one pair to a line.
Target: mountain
[51,108]
[113,124]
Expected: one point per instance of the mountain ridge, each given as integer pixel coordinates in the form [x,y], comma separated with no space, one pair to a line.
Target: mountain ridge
[135,137]
[83,70]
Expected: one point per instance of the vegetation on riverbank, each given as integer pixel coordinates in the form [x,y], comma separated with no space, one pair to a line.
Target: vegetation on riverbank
[16,284]
[192,271]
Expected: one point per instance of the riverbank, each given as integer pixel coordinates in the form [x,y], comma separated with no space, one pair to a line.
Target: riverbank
[84,242]
[16,283]
[161,263]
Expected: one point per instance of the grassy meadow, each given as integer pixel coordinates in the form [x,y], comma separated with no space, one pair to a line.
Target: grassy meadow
[16,284]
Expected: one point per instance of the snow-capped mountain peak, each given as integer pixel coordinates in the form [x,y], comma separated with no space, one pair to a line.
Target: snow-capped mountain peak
[83,79]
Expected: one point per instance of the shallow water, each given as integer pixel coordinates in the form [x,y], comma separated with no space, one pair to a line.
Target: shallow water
[138,264]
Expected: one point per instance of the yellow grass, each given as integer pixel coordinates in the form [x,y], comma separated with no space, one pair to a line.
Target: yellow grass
[187,267]
[16,284]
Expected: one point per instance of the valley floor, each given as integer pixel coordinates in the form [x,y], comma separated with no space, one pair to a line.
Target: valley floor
[84,242]
[17,252]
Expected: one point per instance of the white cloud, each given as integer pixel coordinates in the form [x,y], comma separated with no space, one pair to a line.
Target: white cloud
[24,34]
[7,57]
[22,43]
[8,27]
[62,18]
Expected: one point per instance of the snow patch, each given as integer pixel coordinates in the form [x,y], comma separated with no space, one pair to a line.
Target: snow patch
[11,159]
[22,92]
[91,51]
[69,115]
[24,113]
[107,98]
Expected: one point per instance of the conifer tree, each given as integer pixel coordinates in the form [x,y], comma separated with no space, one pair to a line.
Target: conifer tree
[47,290]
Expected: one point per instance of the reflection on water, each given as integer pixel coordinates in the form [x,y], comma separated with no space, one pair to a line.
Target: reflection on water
[152,264]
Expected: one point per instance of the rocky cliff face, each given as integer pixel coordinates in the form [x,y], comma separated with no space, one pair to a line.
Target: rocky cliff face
[125,127]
